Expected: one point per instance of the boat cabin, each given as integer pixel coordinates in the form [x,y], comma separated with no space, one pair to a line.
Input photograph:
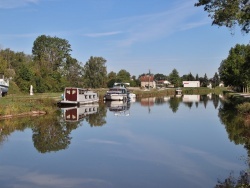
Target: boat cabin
[79,96]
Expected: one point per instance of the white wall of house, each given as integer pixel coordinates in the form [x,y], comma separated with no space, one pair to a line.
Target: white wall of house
[150,84]
[191,83]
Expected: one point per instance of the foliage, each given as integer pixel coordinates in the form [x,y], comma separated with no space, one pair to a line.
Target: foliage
[160,77]
[123,76]
[50,52]
[228,13]
[235,69]
[204,82]
[215,80]
[174,78]
[243,108]
[188,77]
[95,73]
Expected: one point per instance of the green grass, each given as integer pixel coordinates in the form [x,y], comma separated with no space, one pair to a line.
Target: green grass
[22,103]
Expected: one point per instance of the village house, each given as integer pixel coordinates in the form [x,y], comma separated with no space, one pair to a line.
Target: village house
[147,81]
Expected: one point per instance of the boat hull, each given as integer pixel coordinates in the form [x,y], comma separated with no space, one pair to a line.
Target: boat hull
[115,97]
[4,90]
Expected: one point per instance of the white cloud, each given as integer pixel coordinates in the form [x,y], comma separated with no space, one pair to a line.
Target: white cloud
[158,25]
[25,178]
[102,34]
[8,4]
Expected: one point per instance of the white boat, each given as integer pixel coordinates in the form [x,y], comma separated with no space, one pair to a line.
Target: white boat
[119,92]
[73,114]
[78,96]
[4,85]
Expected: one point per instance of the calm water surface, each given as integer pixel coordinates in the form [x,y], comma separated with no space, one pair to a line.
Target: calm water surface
[155,142]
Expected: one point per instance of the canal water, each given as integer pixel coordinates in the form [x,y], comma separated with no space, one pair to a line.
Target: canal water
[150,143]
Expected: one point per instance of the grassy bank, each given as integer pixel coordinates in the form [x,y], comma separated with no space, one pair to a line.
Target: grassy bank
[23,103]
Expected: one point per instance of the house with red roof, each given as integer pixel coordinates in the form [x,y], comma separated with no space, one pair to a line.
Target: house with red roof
[147,81]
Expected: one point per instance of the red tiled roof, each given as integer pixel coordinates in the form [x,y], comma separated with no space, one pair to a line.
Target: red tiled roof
[147,78]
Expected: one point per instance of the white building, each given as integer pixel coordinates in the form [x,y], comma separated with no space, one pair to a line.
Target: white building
[191,83]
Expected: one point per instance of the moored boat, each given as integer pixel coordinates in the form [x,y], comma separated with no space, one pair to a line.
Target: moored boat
[78,96]
[4,85]
[118,92]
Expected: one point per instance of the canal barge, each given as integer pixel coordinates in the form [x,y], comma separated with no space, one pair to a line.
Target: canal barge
[78,96]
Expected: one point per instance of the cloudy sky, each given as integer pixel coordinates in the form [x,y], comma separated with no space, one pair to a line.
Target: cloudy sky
[135,35]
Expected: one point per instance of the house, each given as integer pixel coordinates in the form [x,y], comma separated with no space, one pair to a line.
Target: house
[191,83]
[162,83]
[147,81]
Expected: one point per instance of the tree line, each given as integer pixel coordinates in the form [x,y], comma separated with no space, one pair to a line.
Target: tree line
[51,68]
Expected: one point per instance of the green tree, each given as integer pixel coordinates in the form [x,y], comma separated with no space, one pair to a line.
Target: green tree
[197,77]
[204,81]
[235,69]
[228,13]
[24,78]
[216,80]
[50,56]
[123,76]
[174,78]
[160,77]
[50,52]
[72,73]
[95,73]
[111,79]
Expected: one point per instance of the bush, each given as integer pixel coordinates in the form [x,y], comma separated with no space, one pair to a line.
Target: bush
[244,108]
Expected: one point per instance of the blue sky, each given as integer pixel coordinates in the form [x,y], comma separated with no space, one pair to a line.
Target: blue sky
[135,35]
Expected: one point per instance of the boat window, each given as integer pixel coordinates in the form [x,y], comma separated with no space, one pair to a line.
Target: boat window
[86,96]
[90,96]
[93,96]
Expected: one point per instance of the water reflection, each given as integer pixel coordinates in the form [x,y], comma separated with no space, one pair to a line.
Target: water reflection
[238,131]
[77,113]
[148,145]
[174,101]
[120,108]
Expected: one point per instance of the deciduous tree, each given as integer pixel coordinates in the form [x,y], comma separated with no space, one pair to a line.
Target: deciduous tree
[235,69]
[228,12]
[95,73]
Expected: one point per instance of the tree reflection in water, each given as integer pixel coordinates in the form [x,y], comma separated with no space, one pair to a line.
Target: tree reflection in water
[238,130]
[50,132]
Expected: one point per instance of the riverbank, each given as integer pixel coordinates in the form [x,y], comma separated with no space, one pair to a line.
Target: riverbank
[25,105]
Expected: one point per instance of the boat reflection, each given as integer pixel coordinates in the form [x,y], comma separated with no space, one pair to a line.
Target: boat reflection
[120,108]
[77,113]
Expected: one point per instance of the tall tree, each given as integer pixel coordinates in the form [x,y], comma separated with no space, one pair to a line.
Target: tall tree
[205,81]
[95,73]
[235,69]
[50,52]
[72,72]
[228,12]
[123,76]
[216,80]
[174,78]
[111,79]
